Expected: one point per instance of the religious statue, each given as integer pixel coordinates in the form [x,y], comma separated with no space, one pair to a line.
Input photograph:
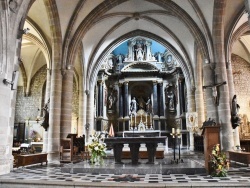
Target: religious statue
[148,106]
[215,92]
[141,103]
[171,101]
[120,58]
[45,123]
[236,120]
[133,106]
[112,98]
[139,53]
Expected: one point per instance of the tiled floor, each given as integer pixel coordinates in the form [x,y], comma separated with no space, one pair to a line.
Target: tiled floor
[238,176]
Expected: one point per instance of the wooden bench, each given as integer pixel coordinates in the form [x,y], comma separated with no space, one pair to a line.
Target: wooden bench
[241,157]
[23,160]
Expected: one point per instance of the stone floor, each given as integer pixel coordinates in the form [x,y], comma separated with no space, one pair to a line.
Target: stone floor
[54,176]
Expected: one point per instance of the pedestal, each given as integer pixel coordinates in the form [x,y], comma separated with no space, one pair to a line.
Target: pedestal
[211,136]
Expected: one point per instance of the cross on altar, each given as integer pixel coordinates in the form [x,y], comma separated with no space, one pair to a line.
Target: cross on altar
[215,91]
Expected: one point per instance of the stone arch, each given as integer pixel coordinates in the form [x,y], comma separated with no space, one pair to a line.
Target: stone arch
[172,8]
[186,66]
[24,76]
[232,36]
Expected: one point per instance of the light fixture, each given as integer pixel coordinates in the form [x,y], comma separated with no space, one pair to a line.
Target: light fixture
[21,32]
[12,82]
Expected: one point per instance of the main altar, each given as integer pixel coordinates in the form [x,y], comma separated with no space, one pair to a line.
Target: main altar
[141,92]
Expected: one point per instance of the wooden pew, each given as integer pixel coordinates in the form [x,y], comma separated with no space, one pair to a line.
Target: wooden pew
[241,157]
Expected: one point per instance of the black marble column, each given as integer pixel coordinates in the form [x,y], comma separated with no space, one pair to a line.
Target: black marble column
[181,95]
[120,101]
[161,99]
[100,99]
[155,99]
[125,99]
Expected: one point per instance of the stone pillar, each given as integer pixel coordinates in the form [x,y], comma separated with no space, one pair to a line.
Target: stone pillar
[47,96]
[191,108]
[155,99]
[208,75]
[191,99]
[199,92]
[224,112]
[126,100]
[161,100]
[100,98]
[90,113]
[81,128]
[66,109]
[55,113]
[120,101]
[231,94]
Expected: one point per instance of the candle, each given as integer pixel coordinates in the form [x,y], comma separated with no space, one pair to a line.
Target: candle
[178,131]
[173,130]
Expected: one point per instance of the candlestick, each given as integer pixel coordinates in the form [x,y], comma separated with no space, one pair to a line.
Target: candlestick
[173,130]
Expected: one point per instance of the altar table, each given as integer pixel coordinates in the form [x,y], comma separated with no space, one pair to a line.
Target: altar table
[134,144]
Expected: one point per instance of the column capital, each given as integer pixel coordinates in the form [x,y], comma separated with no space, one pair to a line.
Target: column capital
[160,84]
[100,82]
[154,82]
[126,82]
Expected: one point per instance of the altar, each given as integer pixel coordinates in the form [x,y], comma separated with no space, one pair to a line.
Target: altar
[134,144]
[150,133]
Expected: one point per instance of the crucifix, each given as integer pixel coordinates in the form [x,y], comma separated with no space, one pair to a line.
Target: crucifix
[215,91]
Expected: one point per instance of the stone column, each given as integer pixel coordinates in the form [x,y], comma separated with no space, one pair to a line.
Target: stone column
[47,96]
[224,112]
[199,92]
[231,94]
[126,100]
[191,99]
[100,98]
[191,108]
[155,99]
[55,113]
[208,77]
[81,107]
[66,109]
[90,113]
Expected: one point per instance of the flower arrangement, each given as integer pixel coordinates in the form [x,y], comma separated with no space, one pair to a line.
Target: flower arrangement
[97,147]
[219,162]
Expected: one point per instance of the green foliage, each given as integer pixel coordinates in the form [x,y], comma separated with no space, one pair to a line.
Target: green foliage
[97,146]
[219,162]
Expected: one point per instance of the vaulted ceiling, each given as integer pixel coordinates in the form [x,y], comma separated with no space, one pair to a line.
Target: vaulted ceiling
[101,25]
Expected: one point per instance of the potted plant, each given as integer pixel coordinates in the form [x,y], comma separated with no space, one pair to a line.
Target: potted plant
[219,162]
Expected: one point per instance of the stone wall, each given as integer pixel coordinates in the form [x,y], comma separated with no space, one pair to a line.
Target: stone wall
[27,107]
[241,77]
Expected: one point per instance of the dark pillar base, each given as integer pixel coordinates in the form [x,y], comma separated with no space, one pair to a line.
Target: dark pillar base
[118,153]
[134,151]
[151,149]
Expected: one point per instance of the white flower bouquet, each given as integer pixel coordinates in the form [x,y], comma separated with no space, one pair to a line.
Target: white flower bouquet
[97,147]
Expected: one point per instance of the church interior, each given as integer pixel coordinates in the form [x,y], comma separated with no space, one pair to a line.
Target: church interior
[127,68]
